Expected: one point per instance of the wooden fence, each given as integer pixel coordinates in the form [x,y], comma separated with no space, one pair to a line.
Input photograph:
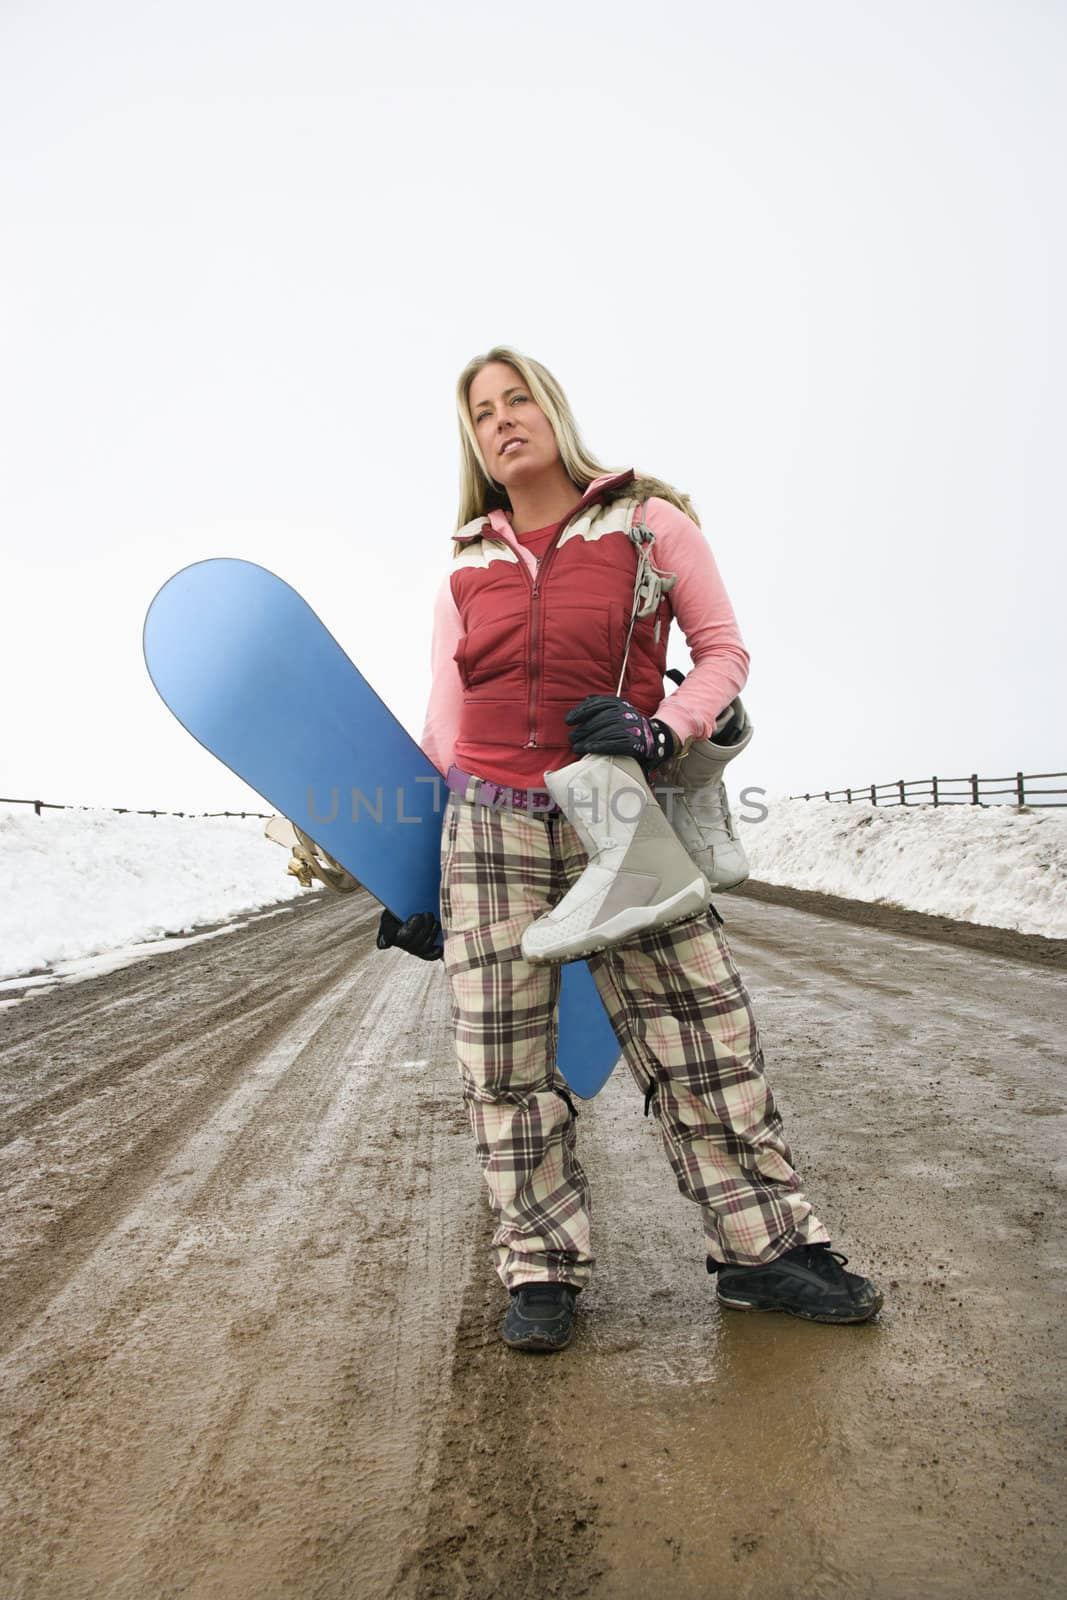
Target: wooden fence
[969,791]
[131,811]
[972,791]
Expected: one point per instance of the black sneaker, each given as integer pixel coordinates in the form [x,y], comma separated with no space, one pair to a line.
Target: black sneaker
[809,1281]
[540,1317]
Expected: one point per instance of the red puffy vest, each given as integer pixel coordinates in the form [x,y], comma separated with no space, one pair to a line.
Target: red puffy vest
[534,646]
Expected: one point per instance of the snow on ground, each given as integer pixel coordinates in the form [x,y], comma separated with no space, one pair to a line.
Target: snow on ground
[1000,865]
[81,883]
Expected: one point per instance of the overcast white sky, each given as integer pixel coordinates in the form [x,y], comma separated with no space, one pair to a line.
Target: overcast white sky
[798,259]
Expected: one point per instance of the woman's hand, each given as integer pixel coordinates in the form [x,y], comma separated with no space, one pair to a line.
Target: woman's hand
[604,725]
[418,935]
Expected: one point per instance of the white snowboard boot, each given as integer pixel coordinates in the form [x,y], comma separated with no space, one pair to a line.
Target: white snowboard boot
[693,797]
[639,876]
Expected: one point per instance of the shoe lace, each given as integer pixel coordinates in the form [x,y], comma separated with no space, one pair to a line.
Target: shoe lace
[828,1264]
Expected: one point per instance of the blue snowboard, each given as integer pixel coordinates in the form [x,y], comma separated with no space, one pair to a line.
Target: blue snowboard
[250,671]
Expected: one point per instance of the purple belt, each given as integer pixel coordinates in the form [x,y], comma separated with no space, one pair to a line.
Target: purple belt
[481,791]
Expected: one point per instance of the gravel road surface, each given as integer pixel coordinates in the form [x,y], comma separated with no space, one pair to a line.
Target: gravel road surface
[248,1325]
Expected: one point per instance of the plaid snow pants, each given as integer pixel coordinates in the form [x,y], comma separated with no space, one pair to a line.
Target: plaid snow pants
[684,1023]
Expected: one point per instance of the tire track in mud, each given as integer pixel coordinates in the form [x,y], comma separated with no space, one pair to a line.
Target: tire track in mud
[237,1386]
[109,1120]
[509,1514]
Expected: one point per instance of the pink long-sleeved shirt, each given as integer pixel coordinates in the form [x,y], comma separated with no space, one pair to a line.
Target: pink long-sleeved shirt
[701,608]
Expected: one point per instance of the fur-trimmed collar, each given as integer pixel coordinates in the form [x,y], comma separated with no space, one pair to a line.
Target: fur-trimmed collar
[496,521]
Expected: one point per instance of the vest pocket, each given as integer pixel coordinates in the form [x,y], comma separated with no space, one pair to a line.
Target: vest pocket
[494,652]
[618,622]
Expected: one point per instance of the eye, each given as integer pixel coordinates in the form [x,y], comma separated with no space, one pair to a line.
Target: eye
[480,415]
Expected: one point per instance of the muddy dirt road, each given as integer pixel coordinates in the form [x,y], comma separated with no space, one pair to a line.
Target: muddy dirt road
[248,1325]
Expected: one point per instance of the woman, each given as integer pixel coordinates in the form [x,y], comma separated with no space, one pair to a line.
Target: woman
[529,638]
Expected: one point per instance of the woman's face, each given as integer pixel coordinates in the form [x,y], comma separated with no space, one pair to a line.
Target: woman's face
[504,414]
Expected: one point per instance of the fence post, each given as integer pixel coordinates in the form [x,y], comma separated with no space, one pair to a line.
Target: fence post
[848,796]
[974,788]
[37,804]
[1019,788]
[874,795]
[900,786]
[935,790]
[826,792]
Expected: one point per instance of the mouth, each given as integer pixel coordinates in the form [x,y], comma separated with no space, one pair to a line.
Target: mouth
[510,448]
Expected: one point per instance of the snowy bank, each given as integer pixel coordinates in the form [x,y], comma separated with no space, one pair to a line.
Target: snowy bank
[77,883]
[80,883]
[1000,865]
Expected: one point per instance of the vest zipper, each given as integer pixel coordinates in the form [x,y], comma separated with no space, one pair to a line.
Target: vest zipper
[535,591]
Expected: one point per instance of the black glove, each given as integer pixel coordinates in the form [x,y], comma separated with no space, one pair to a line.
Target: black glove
[418,935]
[604,725]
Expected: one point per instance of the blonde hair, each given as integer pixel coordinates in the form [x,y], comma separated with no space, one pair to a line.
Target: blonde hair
[479,493]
